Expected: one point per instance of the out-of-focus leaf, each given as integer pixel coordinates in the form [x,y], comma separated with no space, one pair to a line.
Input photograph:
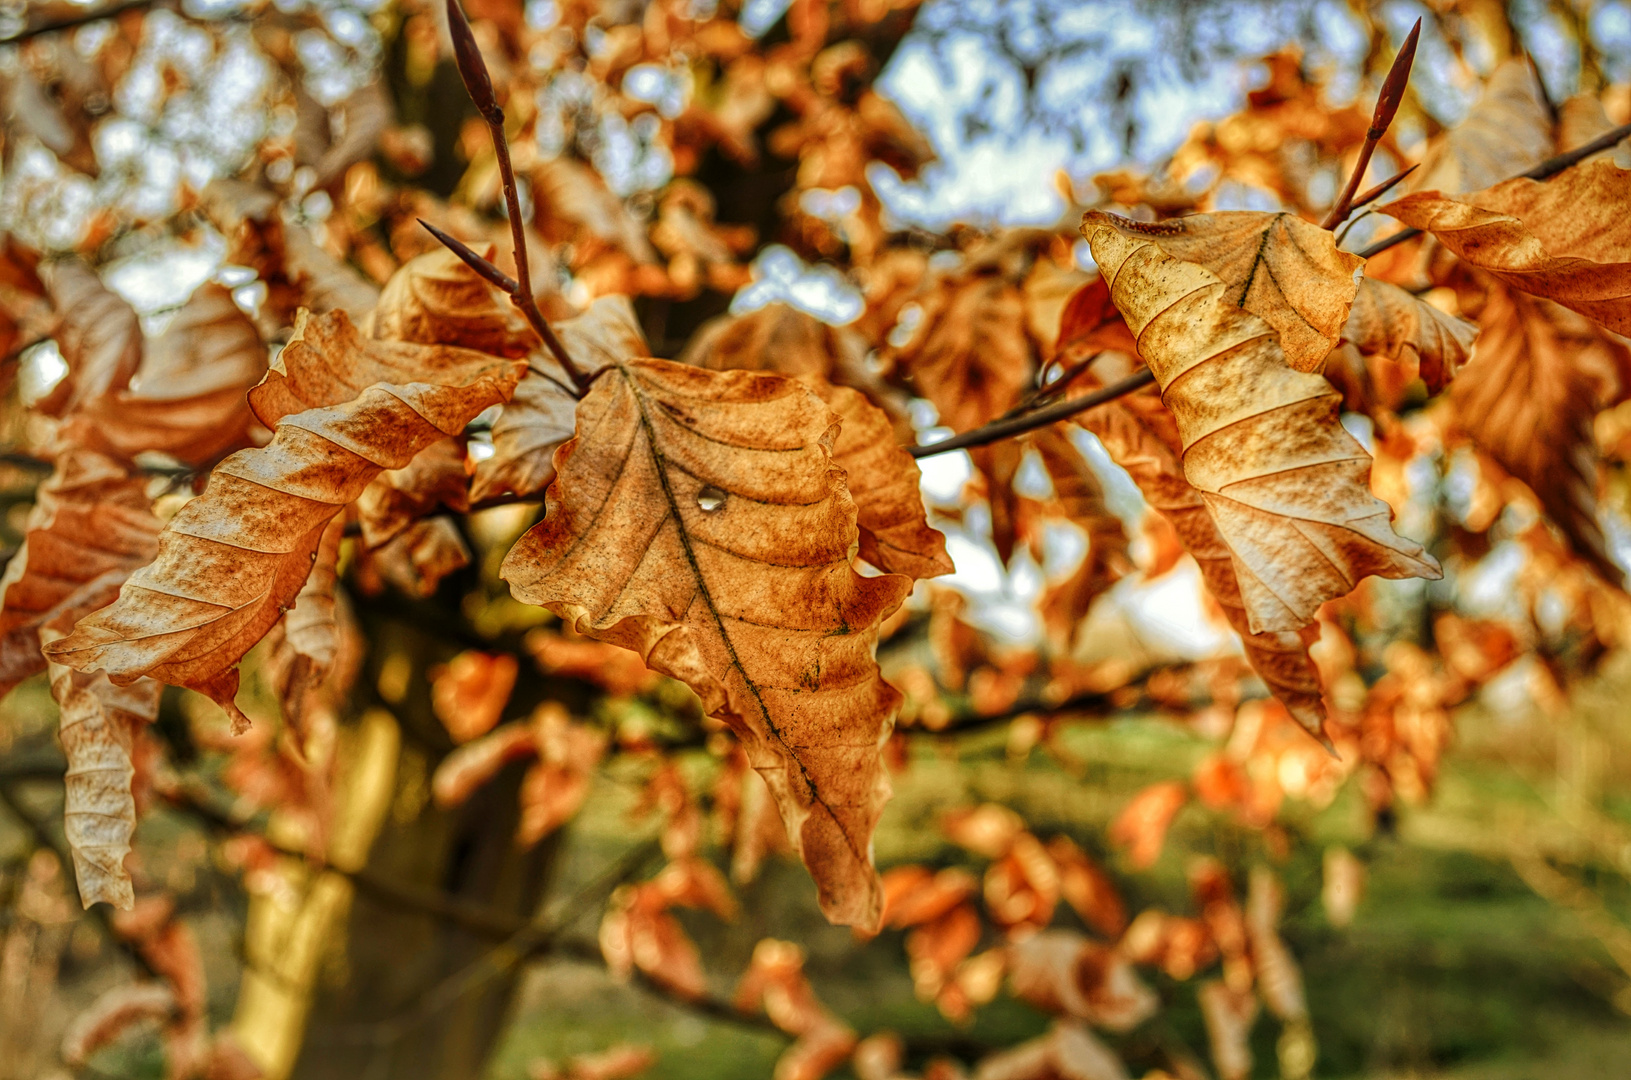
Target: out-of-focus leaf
[1286,485]
[1229,1015]
[90,528]
[970,355]
[1080,495]
[1062,972]
[97,333]
[418,558]
[114,1011]
[1141,827]
[699,520]
[1508,129]
[469,692]
[1566,239]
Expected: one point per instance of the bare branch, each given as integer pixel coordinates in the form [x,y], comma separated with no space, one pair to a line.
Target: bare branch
[1018,425]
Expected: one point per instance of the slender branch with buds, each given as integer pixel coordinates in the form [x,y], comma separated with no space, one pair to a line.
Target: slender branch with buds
[479,84]
[1387,105]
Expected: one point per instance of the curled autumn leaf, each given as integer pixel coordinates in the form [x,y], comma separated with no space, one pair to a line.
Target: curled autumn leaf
[97,333]
[90,527]
[540,417]
[187,399]
[232,560]
[1277,266]
[1388,321]
[883,479]
[469,692]
[1286,485]
[1142,438]
[1567,239]
[698,519]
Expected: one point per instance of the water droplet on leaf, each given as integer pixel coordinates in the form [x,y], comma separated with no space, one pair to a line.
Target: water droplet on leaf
[710,499]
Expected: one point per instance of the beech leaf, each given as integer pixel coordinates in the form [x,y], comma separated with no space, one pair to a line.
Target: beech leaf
[1388,321]
[541,415]
[232,560]
[1277,266]
[699,519]
[1287,486]
[90,527]
[1079,493]
[1567,239]
[1507,130]
[98,335]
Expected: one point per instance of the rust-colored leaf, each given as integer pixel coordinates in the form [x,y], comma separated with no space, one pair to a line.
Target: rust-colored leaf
[471,765]
[1567,239]
[398,497]
[188,396]
[555,787]
[1527,401]
[90,527]
[699,519]
[1388,321]
[232,560]
[1286,271]
[970,355]
[468,694]
[1087,888]
[1286,485]
[1141,827]
[883,480]
[540,417]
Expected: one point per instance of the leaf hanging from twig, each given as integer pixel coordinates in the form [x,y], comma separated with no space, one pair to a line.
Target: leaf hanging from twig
[232,560]
[699,519]
[1286,485]
[1387,321]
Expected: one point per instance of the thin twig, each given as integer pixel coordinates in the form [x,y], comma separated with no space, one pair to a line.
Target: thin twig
[479,84]
[1018,425]
[1384,187]
[1544,171]
[1387,104]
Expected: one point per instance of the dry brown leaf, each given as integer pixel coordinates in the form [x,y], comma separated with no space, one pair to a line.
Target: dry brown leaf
[471,765]
[935,948]
[397,498]
[638,933]
[1140,436]
[970,355]
[1279,979]
[232,560]
[188,397]
[540,417]
[883,479]
[555,787]
[699,519]
[916,894]
[1582,118]
[469,692]
[418,558]
[617,671]
[307,639]
[1062,972]
[98,726]
[775,981]
[115,1010]
[435,299]
[1567,239]
[1087,888]
[1229,1015]
[1277,266]
[1527,402]
[97,333]
[1508,130]
[1287,486]
[1388,321]
[1141,826]
[1077,489]
[90,527]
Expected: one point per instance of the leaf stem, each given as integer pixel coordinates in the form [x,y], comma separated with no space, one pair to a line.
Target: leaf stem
[1544,171]
[1387,105]
[479,84]
[1018,425]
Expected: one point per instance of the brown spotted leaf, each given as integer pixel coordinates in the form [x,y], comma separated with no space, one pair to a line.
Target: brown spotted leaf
[90,527]
[1277,266]
[1142,438]
[883,480]
[1286,485]
[1567,239]
[98,725]
[233,560]
[699,520]
[1526,400]
[1388,321]
[540,417]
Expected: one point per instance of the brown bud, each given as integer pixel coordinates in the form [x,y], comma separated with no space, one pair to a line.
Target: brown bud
[472,68]
[1387,103]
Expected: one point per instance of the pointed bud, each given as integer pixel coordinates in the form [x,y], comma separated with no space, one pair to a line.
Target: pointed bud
[1387,103]
[472,68]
